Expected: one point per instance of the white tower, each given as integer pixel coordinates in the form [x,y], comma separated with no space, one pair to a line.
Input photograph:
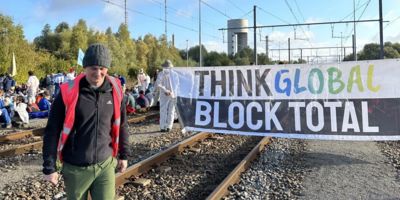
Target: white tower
[237,37]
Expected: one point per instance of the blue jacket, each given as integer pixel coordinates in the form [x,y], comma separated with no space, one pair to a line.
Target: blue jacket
[44,104]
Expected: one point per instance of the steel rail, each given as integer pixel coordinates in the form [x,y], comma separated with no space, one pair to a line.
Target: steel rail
[21,149]
[144,117]
[21,134]
[145,165]
[234,176]
[39,131]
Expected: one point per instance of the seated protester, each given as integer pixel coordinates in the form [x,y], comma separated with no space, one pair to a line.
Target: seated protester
[123,81]
[44,104]
[135,93]
[9,105]
[34,111]
[21,116]
[130,102]
[19,89]
[4,115]
[32,107]
[39,114]
[142,101]
[39,97]
[149,97]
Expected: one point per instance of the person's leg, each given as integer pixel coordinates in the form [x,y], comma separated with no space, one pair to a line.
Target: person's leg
[77,181]
[170,113]
[163,111]
[103,187]
[5,117]
[156,98]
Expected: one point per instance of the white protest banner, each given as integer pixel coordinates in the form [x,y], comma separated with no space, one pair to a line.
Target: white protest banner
[346,101]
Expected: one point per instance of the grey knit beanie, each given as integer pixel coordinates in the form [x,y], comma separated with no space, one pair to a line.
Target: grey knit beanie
[97,55]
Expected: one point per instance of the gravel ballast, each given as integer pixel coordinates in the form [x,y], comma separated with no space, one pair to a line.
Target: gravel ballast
[276,174]
[348,170]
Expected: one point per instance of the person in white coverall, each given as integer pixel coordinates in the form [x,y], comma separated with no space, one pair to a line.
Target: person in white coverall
[32,86]
[142,80]
[167,97]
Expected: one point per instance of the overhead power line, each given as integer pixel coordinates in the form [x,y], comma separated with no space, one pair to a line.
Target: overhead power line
[160,19]
[215,9]
[246,14]
[149,16]
[291,11]
[182,13]
[298,8]
[269,13]
[237,7]
[294,15]
[351,14]
[390,23]
[365,8]
[362,13]
[304,24]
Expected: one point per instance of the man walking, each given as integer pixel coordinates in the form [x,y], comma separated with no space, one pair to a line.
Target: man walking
[167,97]
[90,115]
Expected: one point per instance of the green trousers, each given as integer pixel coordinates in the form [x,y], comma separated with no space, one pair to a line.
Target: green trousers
[97,179]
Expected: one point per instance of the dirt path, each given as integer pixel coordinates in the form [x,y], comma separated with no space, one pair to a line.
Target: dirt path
[348,170]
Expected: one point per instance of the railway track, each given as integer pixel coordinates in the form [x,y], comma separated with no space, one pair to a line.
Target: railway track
[199,167]
[145,141]
[8,142]
[213,162]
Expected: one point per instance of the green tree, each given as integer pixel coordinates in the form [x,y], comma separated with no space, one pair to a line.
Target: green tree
[141,56]
[61,27]
[125,55]
[217,59]
[244,57]
[194,53]
[371,51]
[391,52]
[263,59]
[13,41]
[396,46]
[79,38]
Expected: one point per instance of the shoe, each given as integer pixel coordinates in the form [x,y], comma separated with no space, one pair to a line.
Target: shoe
[7,125]
[162,130]
[167,130]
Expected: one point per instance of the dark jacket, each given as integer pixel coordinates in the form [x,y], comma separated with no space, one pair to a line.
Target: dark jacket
[142,101]
[8,82]
[90,140]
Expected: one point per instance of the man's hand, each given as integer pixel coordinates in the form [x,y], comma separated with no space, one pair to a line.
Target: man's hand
[122,165]
[52,178]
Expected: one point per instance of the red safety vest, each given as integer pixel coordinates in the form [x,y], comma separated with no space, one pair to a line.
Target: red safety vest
[70,93]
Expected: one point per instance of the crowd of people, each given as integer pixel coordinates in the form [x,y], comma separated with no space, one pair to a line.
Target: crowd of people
[19,103]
